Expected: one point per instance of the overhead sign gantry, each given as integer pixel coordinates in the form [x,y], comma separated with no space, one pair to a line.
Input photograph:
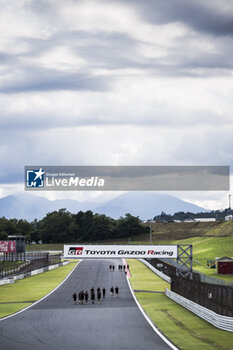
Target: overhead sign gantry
[182,253]
[120,251]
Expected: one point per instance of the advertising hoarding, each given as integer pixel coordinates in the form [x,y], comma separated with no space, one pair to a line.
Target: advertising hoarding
[120,251]
[7,246]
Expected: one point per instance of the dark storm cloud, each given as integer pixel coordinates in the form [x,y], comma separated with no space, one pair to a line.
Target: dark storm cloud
[108,51]
[52,80]
[111,51]
[210,16]
[120,56]
[205,16]
[116,50]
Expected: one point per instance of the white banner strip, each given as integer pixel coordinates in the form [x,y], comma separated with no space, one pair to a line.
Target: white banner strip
[120,251]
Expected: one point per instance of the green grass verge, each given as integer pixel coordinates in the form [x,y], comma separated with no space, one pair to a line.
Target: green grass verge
[180,326]
[142,278]
[14,297]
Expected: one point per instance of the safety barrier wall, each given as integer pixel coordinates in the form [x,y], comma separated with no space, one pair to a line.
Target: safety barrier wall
[159,273]
[212,280]
[6,282]
[34,272]
[223,322]
[44,269]
[15,270]
[217,298]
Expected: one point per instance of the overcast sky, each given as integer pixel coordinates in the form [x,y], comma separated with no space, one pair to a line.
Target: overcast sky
[125,82]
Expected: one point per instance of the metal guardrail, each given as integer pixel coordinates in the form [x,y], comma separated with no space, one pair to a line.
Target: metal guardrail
[9,281]
[222,322]
[12,268]
[217,297]
[213,280]
[203,278]
[33,273]
[159,273]
[33,261]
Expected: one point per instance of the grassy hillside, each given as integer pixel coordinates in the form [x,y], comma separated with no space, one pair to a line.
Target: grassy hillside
[209,248]
[209,240]
[163,232]
[175,231]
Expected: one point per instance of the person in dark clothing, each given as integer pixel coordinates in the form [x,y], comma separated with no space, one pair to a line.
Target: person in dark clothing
[74,297]
[113,267]
[103,291]
[110,267]
[98,289]
[86,297]
[112,290]
[98,295]
[117,290]
[82,297]
[79,297]
[93,297]
[92,290]
[124,267]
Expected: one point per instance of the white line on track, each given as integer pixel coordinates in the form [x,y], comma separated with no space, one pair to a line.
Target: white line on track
[132,292]
[38,301]
[172,346]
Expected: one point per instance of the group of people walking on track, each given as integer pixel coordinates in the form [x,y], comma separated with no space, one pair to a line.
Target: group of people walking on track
[123,268]
[83,297]
[116,290]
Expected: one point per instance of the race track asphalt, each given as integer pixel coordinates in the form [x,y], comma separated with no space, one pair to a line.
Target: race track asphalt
[56,323]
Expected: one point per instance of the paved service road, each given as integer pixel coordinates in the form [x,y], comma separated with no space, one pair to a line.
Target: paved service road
[56,323]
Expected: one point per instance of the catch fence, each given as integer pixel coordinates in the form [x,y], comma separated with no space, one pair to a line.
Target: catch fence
[215,297]
[30,261]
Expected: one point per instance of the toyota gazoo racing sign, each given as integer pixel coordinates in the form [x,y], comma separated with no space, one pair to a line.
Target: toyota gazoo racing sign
[120,251]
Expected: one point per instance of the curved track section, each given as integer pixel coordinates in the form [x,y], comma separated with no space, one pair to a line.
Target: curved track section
[56,323]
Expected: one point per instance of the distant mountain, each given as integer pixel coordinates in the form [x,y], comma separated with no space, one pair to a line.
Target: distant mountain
[146,205]
[27,206]
[143,204]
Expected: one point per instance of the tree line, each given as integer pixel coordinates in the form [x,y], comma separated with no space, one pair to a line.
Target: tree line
[64,227]
[219,215]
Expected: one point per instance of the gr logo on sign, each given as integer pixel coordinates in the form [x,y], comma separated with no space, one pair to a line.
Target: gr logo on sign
[75,251]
